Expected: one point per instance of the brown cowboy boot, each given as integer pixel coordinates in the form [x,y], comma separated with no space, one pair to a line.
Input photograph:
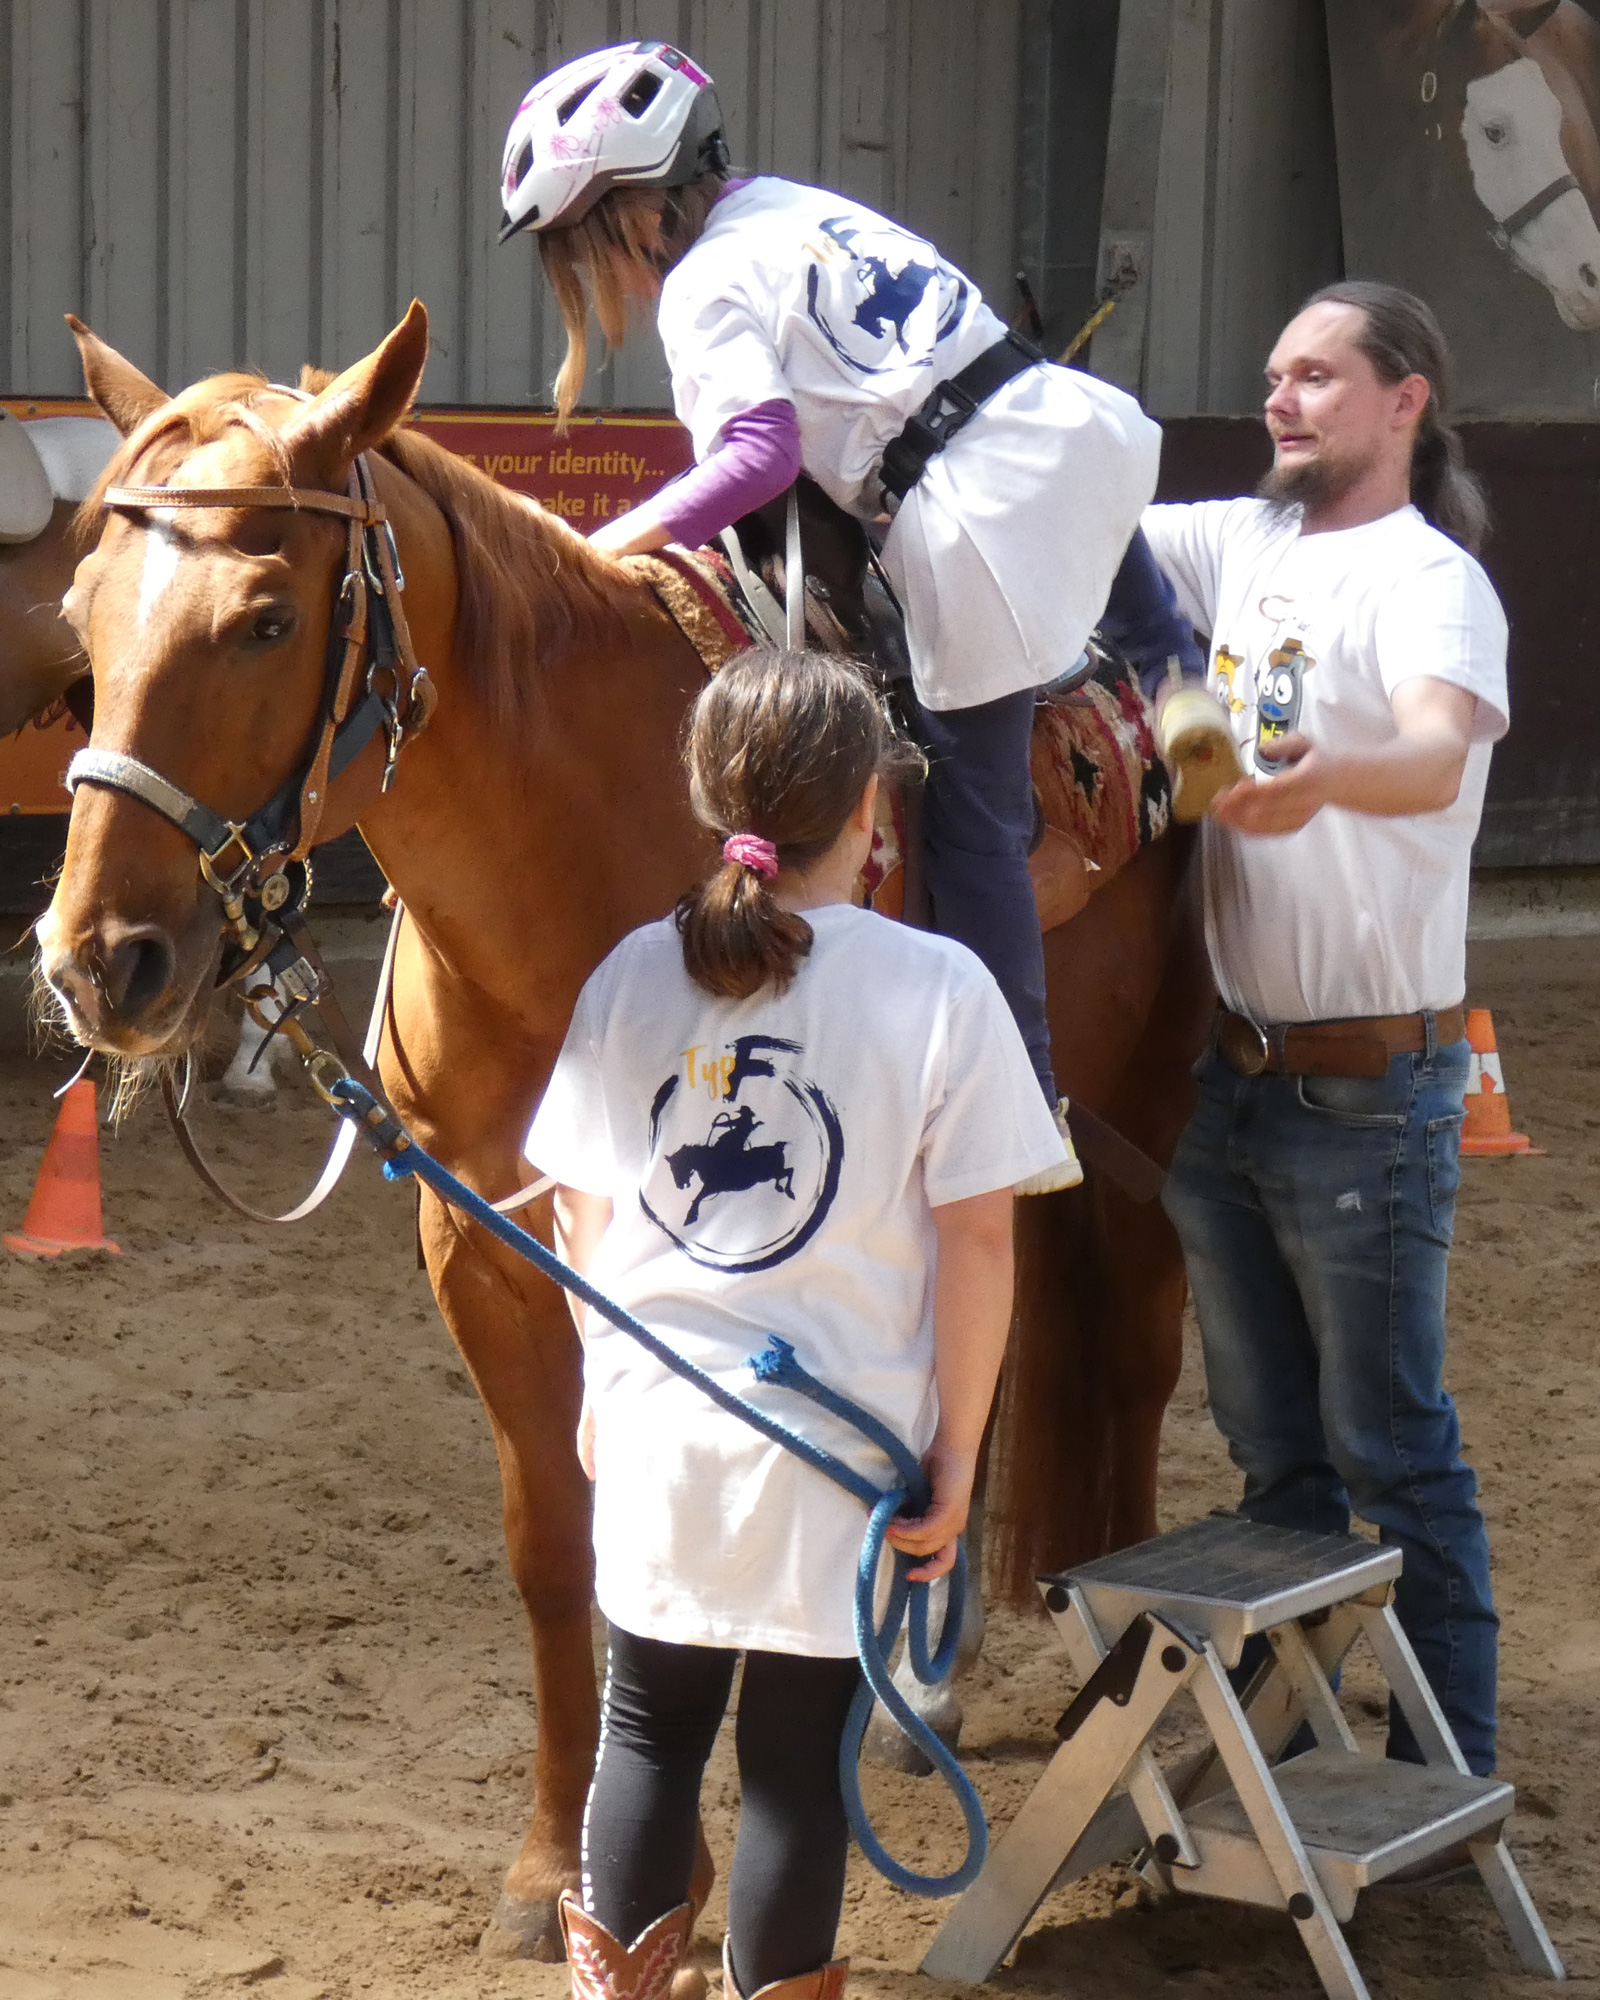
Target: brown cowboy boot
[826,1983]
[651,1968]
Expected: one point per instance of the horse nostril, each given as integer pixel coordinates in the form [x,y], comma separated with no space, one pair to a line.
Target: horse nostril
[1586,272]
[138,970]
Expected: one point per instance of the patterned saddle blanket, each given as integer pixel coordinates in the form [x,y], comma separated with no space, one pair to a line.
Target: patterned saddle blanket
[1102,787]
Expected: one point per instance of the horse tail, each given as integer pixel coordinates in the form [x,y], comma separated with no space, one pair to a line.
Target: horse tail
[1051,1458]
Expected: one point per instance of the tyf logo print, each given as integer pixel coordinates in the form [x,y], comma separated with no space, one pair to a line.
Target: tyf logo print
[745,1154]
[875,302]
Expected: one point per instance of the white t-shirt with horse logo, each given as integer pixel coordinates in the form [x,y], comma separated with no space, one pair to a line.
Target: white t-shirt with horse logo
[1004,551]
[1353,915]
[773,1163]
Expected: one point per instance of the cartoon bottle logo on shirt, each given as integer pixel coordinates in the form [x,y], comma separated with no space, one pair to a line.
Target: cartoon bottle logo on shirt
[1225,680]
[868,295]
[1279,694]
[747,1186]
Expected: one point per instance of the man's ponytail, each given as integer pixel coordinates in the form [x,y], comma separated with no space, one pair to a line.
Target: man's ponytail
[1400,336]
[1442,489]
[779,749]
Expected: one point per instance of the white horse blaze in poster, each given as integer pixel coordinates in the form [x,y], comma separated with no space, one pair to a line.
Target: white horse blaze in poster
[1512,130]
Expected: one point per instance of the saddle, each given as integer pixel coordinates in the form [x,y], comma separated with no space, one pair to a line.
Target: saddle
[47,460]
[1100,786]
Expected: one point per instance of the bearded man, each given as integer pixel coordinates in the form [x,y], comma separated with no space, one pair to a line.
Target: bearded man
[1314,1189]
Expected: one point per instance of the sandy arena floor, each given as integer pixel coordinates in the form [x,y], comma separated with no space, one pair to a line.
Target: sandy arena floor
[264,1719]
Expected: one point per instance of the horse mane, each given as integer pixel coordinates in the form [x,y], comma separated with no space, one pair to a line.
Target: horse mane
[531,592]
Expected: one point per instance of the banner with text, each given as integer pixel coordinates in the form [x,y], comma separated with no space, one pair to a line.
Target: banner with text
[600,468]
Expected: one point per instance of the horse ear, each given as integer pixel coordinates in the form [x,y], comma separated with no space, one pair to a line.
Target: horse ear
[1526,21]
[361,407]
[126,396]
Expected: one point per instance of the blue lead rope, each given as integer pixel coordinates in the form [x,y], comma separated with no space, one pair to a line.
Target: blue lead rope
[403,1157]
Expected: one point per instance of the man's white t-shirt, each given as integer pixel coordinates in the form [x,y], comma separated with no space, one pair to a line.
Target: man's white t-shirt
[1005,549]
[772,1163]
[1354,914]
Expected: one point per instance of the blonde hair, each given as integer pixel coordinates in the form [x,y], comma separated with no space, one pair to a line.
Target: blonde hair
[616,257]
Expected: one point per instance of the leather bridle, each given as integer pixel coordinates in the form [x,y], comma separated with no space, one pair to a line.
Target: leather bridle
[260,867]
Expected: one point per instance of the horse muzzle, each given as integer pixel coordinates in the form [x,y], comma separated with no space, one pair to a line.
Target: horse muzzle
[118,986]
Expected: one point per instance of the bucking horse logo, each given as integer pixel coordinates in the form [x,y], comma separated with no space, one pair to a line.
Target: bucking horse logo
[742,1182]
[872,292]
[727,1163]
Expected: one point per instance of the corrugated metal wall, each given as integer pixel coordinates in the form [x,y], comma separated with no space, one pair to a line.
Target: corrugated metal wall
[1221,193]
[210,182]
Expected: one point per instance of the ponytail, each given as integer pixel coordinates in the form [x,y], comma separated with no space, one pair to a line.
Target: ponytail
[1442,489]
[1400,336]
[779,749]
[737,937]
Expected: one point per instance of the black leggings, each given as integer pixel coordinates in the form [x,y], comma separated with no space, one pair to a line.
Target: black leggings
[663,1704]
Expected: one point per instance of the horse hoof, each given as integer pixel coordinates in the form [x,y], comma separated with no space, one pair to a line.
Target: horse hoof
[885,1743]
[520,1929]
[247,1096]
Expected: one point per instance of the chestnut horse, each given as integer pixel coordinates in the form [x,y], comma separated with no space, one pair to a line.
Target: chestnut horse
[541,816]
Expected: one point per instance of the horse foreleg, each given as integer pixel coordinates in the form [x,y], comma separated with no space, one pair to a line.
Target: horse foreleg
[519,1345]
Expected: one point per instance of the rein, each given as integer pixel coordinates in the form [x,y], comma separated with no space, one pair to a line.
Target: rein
[260,867]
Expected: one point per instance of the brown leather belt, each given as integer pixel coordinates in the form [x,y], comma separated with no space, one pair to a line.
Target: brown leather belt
[1359,1047]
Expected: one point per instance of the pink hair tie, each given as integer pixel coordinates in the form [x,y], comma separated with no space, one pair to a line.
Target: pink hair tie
[749,850]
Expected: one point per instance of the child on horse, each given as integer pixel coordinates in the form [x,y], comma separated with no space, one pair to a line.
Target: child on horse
[805,331]
[774,1113]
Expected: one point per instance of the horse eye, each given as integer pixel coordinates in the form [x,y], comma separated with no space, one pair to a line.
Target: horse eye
[1495,134]
[271,628]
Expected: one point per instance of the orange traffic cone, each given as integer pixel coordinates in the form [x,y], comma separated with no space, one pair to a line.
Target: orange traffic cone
[1488,1124]
[64,1213]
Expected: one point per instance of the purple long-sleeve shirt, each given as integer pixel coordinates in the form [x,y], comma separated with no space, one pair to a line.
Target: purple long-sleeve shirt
[757,457]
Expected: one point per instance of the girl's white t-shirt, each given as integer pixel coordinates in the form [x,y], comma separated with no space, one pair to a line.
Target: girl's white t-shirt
[773,1163]
[1004,551]
[1354,914]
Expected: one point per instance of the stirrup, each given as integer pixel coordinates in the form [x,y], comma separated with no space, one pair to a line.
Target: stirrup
[1065,1173]
[1193,735]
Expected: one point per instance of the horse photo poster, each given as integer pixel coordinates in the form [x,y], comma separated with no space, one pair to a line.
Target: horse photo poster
[1469,171]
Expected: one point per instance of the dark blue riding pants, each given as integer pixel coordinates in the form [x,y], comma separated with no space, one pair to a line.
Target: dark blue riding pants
[977,822]
[978,810]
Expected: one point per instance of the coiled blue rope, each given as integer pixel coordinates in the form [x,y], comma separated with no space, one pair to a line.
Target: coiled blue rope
[403,1158]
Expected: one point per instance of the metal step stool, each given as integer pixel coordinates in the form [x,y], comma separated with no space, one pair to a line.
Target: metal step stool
[1305,1835]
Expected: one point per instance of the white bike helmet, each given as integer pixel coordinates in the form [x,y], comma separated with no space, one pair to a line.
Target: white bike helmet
[642,115]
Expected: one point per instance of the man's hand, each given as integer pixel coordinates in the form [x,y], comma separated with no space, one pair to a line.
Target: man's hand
[1417,771]
[1297,791]
[936,1533]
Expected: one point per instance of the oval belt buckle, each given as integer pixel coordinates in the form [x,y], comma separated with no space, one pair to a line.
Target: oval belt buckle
[1246,1046]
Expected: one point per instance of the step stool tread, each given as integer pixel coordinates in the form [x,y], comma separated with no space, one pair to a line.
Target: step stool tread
[1371,1813]
[1248,1569]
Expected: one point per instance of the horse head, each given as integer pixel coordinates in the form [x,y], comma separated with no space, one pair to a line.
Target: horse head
[207,630]
[1530,142]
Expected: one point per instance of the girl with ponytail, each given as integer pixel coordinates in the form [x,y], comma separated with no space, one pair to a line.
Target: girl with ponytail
[775,1112]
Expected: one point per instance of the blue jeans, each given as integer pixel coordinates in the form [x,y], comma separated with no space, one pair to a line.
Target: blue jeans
[1316,1215]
